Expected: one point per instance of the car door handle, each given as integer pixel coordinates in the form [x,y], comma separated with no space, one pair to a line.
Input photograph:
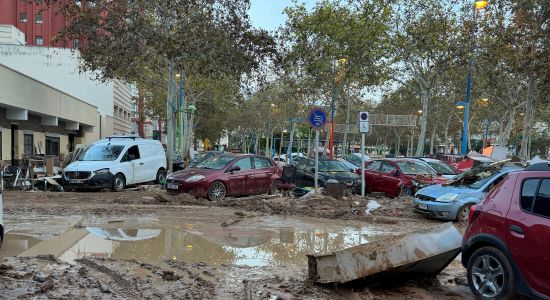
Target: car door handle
[141,164]
[517,229]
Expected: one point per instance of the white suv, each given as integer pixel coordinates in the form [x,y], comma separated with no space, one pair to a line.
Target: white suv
[116,162]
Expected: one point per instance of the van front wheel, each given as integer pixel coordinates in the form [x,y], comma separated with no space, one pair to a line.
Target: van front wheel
[119,183]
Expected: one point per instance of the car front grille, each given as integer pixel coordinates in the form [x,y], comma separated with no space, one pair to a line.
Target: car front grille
[425,198]
[77,175]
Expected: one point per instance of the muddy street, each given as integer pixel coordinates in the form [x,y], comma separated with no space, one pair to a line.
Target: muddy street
[150,244]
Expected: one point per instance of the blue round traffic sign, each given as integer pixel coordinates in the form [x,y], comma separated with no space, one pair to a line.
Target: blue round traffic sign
[317,118]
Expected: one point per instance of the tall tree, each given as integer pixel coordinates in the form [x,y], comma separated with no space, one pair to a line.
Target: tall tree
[123,38]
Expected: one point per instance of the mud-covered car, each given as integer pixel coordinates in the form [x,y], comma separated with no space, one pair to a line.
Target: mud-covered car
[399,176]
[329,169]
[226,175]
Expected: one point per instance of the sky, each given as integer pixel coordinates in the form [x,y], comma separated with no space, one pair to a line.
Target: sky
[268,14]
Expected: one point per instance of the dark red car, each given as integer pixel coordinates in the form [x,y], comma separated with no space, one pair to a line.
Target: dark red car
[399,176]
[226,175]
[506,246]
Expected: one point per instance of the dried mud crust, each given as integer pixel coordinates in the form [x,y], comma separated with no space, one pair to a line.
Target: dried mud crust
[148,201]
[97,278]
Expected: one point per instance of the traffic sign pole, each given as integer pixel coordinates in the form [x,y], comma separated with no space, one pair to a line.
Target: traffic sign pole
[317,119]
[362,165]
[363,128]
[316,185]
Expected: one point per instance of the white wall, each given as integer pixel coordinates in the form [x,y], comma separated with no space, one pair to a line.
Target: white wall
[9,34]
[58,67]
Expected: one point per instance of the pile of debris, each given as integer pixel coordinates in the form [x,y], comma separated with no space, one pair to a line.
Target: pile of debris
[477,173]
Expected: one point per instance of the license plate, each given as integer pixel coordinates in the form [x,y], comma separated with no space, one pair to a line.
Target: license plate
[77,180]
[171,186]
[422,206]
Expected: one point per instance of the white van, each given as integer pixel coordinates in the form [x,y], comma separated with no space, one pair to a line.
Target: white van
[116,162]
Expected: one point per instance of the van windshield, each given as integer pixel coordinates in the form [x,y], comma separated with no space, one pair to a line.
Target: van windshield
[102,153]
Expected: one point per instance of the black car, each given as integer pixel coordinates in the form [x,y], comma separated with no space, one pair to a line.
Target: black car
[202,157]
[328,169]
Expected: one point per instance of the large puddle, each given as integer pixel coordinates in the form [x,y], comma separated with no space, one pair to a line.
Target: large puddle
[254,242]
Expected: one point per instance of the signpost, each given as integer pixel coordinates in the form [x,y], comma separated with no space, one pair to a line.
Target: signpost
[363,128]
[317,119]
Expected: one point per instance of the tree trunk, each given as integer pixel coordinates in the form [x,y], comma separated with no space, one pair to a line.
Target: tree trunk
[432,139]
[170,116]
[141,115]
[527,123]
[446,134]
[423,121]
[291,142]
[509,126]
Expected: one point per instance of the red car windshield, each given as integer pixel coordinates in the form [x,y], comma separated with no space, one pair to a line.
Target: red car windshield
[414,168]
[215,163]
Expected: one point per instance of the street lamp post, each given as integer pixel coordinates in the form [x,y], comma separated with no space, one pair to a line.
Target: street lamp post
[478,4]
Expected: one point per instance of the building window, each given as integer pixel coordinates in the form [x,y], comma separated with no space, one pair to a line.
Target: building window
[52,145]
[38,40]
[38,18]
[23,17]
[28,144]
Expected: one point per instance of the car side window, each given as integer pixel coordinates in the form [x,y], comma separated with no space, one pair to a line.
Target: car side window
[131,154]
[374,166]
[387,167]
[528,191]
[244,163]
[542,202]
[261,163]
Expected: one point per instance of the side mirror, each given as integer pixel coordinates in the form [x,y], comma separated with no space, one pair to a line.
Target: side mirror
[439,174]
[234,168]
[394,173]
[312,170]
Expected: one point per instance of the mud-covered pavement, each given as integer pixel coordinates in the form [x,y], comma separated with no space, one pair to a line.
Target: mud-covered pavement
[149,244]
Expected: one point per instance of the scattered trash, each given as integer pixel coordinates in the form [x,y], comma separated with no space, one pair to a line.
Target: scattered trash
[372,205]
[229,222]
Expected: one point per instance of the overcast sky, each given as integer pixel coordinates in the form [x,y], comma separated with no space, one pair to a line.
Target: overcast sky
[268,14]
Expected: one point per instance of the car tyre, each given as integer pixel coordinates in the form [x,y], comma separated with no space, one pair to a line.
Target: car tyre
[490,275]
[217,191]
[119,183]
[463,213]
[405,191]
[161,176]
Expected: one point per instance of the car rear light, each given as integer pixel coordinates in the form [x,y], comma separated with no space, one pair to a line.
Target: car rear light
[475,211]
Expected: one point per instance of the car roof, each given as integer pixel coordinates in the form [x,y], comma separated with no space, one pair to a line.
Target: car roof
[397,159]
[123,141]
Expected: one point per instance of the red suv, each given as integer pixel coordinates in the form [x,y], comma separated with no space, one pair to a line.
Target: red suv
[506,246]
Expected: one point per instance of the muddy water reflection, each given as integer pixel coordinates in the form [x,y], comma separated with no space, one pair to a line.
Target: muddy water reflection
[260,247]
